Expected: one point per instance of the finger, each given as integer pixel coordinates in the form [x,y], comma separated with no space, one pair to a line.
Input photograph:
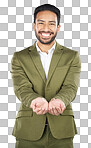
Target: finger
[40,112]
[37,109]
[44,112]
[55,112]
[63,107]
[52,111]
[34,107]
[58,110]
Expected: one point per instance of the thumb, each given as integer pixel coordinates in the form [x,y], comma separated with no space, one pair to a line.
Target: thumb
[32,104]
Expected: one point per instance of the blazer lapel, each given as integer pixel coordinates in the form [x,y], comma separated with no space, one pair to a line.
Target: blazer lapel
[54,61]
[37,61]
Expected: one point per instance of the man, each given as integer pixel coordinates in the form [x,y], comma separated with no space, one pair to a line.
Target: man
[45,78]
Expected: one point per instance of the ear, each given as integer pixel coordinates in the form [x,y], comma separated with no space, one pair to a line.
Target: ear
[58,28]
[34,26]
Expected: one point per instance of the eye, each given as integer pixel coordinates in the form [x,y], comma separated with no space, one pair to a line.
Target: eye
[52,24]
[40,23]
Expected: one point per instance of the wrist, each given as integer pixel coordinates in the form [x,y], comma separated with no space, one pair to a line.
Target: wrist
[43,99]
[52,99]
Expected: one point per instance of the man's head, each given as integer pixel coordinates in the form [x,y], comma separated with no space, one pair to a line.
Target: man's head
[46,23]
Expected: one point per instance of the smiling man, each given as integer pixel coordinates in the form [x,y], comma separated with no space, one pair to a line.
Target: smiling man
[45,79]
[46,27]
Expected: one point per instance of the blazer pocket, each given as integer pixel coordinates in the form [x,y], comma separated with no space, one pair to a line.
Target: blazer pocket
[67,112]
[24,114]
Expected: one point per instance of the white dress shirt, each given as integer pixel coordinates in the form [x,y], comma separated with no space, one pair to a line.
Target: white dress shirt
[46,58]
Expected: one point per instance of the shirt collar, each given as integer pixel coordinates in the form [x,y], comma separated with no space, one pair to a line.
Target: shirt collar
[49,51]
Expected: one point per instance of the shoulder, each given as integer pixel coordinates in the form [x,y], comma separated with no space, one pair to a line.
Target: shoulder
[69,53]
[22,53]
[67,50]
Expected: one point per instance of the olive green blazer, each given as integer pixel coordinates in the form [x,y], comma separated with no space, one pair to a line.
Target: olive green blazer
[29,82]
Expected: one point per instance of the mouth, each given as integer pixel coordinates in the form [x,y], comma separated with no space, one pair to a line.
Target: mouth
[45,35]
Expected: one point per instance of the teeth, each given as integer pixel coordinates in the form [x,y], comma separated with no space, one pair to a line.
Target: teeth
[45,34]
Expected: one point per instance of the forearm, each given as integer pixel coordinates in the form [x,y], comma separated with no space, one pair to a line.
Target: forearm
[66,94]
[68,91]
[26,96]
[23,87]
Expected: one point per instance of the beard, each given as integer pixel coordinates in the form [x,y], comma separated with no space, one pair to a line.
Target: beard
[48,42]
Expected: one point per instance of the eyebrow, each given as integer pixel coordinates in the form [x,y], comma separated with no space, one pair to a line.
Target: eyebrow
[44,21]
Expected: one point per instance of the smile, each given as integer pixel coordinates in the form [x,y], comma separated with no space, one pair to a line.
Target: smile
[45,35]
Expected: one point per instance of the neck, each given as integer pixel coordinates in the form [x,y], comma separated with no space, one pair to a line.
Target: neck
[45,47]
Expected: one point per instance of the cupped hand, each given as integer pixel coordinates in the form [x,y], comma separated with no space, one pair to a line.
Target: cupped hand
[56,106]
[39,105]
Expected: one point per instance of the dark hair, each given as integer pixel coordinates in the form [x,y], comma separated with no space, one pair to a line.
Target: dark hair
[47,7]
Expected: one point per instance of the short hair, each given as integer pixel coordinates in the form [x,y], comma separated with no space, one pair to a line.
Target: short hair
[50,8]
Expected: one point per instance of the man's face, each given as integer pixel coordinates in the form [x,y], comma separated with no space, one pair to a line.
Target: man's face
[45,26]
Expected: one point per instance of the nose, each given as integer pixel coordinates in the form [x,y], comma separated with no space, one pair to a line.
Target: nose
[46,27]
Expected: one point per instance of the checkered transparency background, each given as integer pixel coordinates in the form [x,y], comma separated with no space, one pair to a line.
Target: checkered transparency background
[16,33]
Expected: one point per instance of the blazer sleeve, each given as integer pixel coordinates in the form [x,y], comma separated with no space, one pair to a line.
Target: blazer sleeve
[70,85]
[23,87]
